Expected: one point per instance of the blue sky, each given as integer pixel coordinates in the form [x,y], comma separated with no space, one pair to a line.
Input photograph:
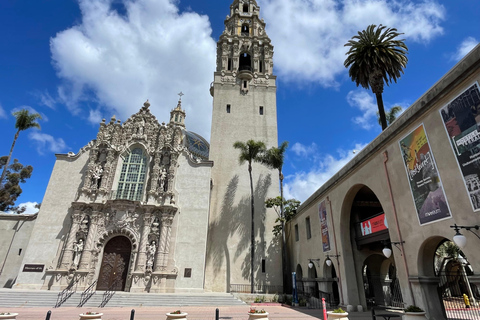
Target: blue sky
[78,61]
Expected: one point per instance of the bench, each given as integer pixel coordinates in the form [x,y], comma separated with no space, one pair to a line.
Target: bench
[379,312]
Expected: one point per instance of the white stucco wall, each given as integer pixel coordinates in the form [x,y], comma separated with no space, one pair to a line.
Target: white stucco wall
[53,220]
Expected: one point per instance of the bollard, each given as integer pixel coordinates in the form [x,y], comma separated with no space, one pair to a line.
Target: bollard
[49,313]
[466,300]
[217,314]
[132,314]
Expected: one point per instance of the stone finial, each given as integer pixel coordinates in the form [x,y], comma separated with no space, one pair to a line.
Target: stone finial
[147,104]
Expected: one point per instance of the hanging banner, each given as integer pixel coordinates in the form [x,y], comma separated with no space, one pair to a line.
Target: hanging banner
[375,224]
[425,183]
[322,214]
[461,118]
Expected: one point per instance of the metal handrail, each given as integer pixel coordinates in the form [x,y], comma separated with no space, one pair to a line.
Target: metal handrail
[107,295]
[66,293]
[87,294]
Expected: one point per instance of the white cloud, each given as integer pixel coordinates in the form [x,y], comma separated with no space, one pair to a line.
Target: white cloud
[309,35]
[303,184]
[95,116]
[47,142]
[301,150]
[464,48]
[29,207]
[2,113]
[46,99]
[364,101]
[152,51]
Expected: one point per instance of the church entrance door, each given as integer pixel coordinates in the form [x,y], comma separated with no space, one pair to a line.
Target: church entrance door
[115,262]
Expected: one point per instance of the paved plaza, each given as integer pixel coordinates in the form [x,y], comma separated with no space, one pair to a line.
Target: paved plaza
[194,313]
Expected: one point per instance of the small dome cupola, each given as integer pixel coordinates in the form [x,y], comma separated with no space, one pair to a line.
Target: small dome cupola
[178,115]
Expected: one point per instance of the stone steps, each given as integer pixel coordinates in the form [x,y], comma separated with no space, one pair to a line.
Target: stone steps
[20,298]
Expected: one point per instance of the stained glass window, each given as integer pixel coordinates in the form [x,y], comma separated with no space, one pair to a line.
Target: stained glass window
[132,176]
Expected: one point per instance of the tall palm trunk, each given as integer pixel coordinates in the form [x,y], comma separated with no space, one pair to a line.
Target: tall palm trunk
[252,235]
[284,240]
[381,110]
[4,172]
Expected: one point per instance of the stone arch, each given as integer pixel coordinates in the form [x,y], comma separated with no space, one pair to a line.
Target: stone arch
[108,235]
[360,208]
[299,278]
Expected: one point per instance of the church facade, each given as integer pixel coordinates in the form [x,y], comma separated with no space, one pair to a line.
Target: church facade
[153,207]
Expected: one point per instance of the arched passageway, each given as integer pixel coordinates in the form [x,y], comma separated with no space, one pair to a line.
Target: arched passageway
[369,235]
[456,282]
[115,263]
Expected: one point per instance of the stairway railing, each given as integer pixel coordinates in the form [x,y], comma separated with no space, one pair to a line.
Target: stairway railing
[87,294]
[107,295]
[67,293]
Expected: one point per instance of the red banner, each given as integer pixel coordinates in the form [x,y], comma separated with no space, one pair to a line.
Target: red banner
[374,224]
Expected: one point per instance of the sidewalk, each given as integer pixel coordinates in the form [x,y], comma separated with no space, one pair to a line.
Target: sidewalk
[194,313]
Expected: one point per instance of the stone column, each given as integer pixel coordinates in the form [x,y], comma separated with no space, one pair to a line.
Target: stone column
[89,245]
[161,258]
[67,258]
[142,254]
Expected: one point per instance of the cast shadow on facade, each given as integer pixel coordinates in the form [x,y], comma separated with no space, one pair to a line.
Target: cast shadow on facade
[234,222]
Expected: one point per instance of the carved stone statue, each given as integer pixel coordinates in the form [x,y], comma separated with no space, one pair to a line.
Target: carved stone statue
[151,248]
[77,252]
[97,175]
[163,179]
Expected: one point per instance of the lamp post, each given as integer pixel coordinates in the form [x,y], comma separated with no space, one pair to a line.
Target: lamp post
[459,239]
[387,252]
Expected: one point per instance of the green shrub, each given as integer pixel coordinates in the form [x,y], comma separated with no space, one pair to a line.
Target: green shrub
[339,310]
[413,309]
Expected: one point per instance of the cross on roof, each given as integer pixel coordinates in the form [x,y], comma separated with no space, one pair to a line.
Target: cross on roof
[180,95]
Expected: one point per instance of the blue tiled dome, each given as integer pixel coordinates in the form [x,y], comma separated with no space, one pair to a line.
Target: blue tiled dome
[197,145]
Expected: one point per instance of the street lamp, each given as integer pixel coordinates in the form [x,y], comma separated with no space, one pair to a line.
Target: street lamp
[310,264]
[387,252]
[459,239]
[329,261]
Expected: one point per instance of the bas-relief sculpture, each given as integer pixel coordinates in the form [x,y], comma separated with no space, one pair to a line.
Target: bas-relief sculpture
[101,213]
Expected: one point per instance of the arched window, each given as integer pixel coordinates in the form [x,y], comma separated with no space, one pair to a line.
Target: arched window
[245,8]
[132,177]
[245,62]
[245,30]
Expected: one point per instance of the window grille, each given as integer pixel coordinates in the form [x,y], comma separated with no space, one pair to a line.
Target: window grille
[132,176]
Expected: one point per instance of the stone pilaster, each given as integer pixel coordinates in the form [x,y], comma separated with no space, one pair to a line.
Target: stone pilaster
[67,258]
[161,260]
[89,245]
[142,254]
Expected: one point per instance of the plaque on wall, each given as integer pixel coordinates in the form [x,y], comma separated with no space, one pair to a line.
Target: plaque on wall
[33,267]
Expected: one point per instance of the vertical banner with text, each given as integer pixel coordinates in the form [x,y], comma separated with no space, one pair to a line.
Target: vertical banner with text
[461,118]
[425,183]
[322,214]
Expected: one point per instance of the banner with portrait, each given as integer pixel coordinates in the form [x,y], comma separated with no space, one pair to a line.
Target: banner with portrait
[424,180]
[322,214]
[461,118]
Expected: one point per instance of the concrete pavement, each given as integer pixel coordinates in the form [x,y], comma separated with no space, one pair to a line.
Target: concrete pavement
[276,312]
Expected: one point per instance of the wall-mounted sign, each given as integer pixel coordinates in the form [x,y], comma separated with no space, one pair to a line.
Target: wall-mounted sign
[322,214]
[461,118]
[423,177]
[33,267]
[375,224]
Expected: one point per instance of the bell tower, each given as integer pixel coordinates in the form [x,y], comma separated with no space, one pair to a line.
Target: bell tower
[244,108]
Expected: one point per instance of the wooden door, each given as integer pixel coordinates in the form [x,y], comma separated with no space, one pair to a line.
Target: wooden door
[115,262]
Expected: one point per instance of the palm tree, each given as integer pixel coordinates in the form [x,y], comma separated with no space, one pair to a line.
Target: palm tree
[375,56]
[390,115]
[274,159]
[25,120]
[249,152]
